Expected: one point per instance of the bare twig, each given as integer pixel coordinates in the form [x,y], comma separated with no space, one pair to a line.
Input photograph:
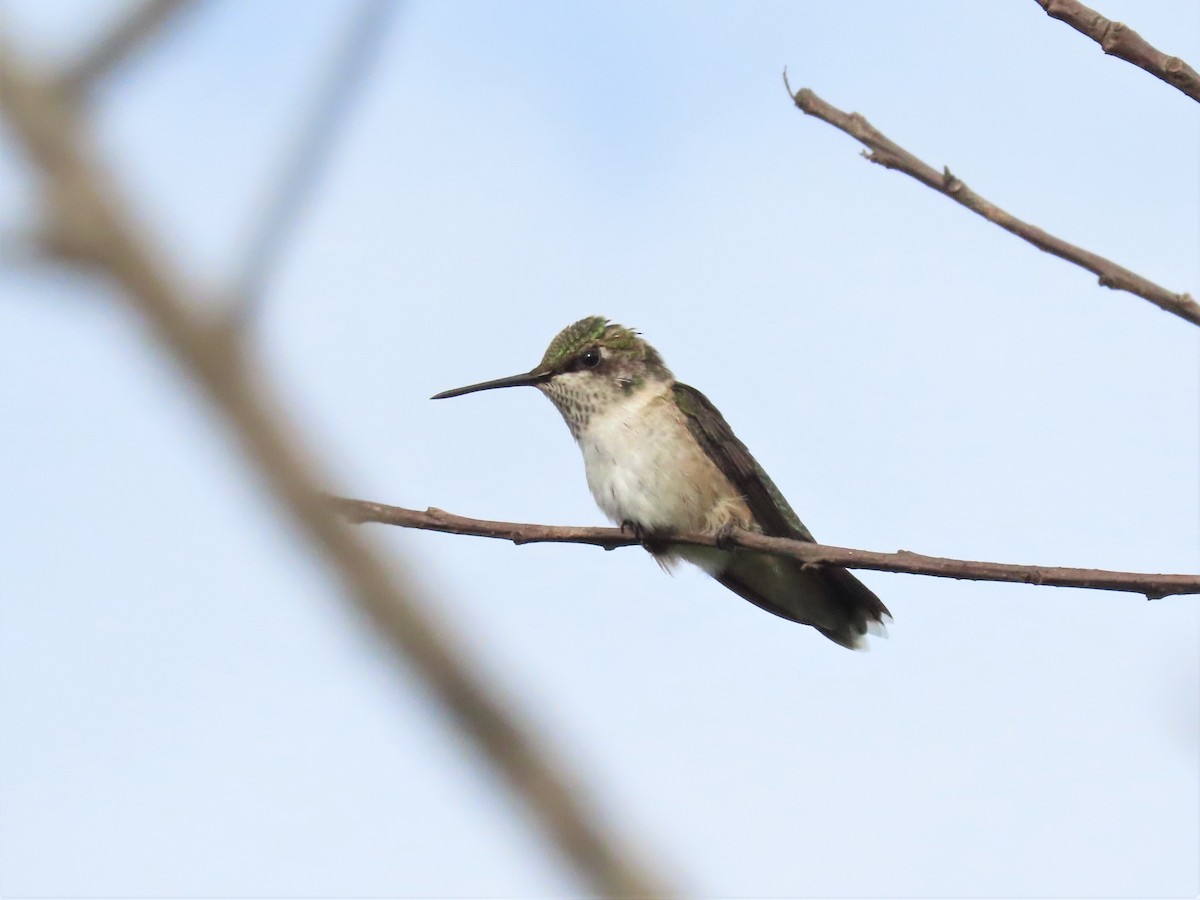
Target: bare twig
[352,62]
[95,231]
[1152,586]
[131,32]
[883,151]
[1118,39]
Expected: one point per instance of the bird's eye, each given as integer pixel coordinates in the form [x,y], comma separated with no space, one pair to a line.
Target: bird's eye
[590,358]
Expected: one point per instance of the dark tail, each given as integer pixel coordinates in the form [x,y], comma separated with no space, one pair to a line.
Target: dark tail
[829,599]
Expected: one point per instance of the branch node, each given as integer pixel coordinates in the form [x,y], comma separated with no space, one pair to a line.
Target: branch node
[1119,40]
[1111,34]
[882,158]
[950,182]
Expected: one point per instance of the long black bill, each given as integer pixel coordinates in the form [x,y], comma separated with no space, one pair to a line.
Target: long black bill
[522,380]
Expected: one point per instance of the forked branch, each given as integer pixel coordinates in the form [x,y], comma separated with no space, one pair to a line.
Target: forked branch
[890,155]
[1152,586]
[94,229]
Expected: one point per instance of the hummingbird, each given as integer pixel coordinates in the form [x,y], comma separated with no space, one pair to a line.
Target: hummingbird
[660,458]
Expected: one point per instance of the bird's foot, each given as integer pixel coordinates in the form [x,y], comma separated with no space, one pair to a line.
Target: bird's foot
[635,528]
[643,537]
[724,537]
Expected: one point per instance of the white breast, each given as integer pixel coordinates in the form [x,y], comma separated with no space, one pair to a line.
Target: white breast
[641,462]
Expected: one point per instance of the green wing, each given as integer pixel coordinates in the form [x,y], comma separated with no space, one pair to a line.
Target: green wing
[829,598]
[766,503]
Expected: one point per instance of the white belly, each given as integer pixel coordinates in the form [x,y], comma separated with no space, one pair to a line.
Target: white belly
[643,466]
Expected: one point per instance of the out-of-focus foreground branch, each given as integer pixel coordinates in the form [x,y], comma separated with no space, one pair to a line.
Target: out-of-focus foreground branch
[89,225]
[355,55]
[1118,39]
[890,155]
[135,30]
[1153,586]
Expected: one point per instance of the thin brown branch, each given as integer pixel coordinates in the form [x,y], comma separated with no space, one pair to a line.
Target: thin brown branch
[1152,586]
[890,155]
[1119,40]
[136,29]
[95,231]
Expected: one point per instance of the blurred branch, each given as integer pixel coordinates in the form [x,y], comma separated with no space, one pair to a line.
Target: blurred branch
[20,248]
[883,151]
[1153,586]
[94,230]
[145,21]
[1118,39]
[356,53]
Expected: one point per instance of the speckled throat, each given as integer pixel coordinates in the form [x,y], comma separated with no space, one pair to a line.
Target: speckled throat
[578,399]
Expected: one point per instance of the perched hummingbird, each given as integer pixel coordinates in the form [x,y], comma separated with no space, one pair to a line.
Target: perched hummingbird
[660,458]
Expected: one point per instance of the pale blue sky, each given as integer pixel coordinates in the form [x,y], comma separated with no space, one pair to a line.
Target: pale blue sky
[188,709]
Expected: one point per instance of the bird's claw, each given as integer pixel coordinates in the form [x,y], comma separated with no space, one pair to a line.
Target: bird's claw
[636,529]
[643,537]
[724,537]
